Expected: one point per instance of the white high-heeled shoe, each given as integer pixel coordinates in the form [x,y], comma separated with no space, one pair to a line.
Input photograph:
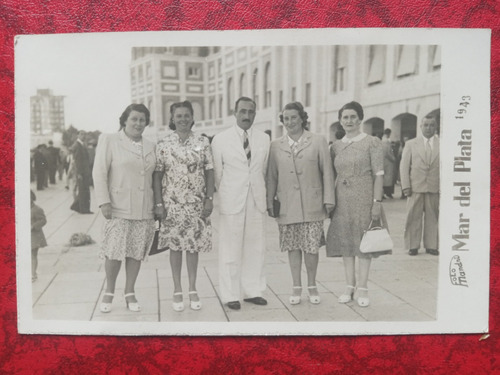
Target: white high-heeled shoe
[132,306]
[315,300]
[178,306]
[105,307]
[344,298]
[363,301]
[294,299]
[194,305]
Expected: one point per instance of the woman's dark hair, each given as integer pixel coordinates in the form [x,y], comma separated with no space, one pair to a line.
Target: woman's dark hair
[185,104]
[299,108]
[134,107]
[355,106]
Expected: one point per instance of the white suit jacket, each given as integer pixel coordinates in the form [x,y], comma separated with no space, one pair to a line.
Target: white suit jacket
[415,172]
[233,176]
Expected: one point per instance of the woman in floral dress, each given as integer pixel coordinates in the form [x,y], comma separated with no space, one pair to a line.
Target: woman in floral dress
[183,188]
[358,161]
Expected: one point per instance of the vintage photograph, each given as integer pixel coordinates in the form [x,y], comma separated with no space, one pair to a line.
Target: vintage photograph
[310,182]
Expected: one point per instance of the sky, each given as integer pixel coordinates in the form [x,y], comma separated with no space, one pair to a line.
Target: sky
[90,70]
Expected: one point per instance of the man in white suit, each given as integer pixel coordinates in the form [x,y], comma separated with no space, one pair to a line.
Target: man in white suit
[240,161]
[420,183]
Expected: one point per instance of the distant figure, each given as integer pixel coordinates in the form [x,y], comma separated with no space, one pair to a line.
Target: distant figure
[91,151]
[240,163]
[62,162]
[45,152]
[83,176]
[38,240]
[420,183]
[40,166]
[53,161]
[389,161]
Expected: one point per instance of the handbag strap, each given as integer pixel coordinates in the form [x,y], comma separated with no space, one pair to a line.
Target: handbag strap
[375,228]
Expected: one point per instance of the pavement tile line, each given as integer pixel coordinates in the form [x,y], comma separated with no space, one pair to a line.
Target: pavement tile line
[44,290]
[216,294]
[98,299]
[283,303]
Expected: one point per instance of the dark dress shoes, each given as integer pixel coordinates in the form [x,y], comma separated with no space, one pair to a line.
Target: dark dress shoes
[234,305]
[413,252]
[432,251]
[256,300]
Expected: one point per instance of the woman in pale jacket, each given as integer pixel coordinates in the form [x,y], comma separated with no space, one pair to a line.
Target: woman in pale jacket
[123,181]
[300,178]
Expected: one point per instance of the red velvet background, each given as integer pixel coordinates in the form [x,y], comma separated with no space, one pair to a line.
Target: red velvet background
[234,355]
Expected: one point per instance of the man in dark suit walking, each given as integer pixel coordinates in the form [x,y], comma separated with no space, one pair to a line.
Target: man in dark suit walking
[83,176]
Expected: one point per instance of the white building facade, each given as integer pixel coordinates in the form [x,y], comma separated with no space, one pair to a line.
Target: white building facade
[396,84]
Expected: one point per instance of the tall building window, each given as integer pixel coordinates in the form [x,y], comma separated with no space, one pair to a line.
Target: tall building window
[340,69]
[407,59]
[193,72]
[168,70]
[280,104]
[149,73]
[308,95]
[211,109]
[132,76]
[220,107]
[243,85]
[230,96]
[294,94]
[376,64]
[267,85]
[435,57]
[141,74]
[255,87]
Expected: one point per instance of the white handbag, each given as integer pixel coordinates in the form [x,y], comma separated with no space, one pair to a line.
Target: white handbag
[375,239]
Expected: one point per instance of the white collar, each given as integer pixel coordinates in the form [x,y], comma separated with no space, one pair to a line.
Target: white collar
[241,131]
[291,141]
[431,140]
[357,138]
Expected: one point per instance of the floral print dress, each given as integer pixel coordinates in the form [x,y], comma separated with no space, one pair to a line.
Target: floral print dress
[183,191]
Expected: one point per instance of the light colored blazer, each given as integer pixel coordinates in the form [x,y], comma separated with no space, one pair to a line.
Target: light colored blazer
[124,177]
[233,176]
[415,172]
[304,187]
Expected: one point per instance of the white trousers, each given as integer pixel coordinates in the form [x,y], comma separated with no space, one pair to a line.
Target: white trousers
[242,253]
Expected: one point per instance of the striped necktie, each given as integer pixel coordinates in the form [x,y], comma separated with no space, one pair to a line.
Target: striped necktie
[428,151]
[246,146]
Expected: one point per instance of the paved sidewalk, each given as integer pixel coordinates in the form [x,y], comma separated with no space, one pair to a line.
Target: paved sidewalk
[71,279]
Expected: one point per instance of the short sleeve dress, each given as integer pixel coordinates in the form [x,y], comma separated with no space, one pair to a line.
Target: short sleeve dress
[183,192]
[356,163]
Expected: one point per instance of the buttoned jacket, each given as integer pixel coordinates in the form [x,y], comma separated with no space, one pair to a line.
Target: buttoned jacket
[124,177]
[234,176]
[302,187]
[416,173]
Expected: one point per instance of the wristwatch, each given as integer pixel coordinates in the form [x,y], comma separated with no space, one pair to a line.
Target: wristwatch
[377,200]
[210,198]
[159,204]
